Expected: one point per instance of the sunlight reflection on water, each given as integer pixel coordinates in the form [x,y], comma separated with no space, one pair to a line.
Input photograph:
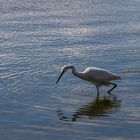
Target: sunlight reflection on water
[37,38]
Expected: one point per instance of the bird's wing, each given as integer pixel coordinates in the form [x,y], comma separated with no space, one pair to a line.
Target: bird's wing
[100,75]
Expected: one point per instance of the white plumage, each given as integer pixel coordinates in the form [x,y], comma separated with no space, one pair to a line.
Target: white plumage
[97,76]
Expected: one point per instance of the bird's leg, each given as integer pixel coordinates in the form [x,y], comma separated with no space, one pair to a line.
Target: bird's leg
[97,91]
[115,85]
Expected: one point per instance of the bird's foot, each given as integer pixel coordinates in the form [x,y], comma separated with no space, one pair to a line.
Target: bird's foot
[111,95]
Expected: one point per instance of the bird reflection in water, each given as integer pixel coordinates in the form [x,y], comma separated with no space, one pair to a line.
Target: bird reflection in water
[101,106]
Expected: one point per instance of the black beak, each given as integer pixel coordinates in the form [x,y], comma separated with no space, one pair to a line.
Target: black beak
[60,76]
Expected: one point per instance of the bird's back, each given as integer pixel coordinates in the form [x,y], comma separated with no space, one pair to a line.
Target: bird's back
[100,76]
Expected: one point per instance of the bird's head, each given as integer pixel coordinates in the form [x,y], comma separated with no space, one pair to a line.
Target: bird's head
[63,70]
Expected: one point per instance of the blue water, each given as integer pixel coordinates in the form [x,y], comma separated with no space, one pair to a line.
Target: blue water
[38,37]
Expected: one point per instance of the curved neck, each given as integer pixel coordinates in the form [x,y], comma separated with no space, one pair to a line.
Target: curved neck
[73,69]
[78,74]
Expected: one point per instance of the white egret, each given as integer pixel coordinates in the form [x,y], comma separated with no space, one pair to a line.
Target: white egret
[99,77]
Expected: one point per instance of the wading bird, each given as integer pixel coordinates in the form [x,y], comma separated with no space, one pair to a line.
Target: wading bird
[98,77]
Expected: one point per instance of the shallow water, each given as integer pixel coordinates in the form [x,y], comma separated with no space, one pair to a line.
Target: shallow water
[37,38]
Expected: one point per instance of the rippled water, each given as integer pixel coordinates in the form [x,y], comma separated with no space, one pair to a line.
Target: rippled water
[38,37]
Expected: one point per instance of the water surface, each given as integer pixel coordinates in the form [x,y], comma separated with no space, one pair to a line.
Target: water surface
[37,38]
